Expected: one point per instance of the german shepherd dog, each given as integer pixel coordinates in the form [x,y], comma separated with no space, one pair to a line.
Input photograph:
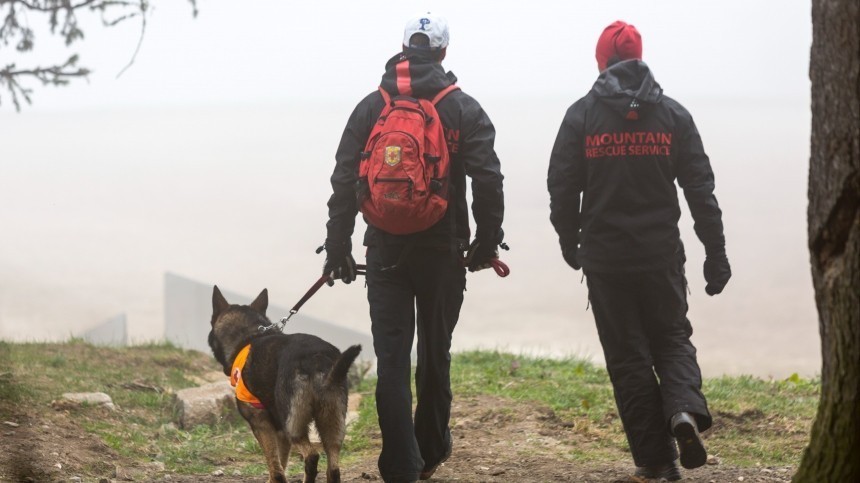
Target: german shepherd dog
[297,378]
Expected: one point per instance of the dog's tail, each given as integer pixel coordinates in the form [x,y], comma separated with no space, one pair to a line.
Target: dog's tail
[338,372]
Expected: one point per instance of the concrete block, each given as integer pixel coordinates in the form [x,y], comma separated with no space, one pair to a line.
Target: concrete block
[206,404]
[111,332]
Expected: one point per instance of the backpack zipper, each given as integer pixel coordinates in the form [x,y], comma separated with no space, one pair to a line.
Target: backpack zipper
[398,180]
[403,133]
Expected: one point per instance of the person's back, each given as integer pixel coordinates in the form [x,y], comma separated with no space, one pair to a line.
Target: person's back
[636,143]
[415,281]
[417,72]
[621,148]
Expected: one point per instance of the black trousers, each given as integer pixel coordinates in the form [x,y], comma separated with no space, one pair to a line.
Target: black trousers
[642,323]
[434,281]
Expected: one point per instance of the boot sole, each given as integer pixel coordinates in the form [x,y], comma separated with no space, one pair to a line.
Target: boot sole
[669,475]
[427,474]
[690,445]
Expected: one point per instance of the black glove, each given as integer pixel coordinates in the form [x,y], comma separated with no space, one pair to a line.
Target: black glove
[339,263]
[480,254]
[717,273]
[568,251]
[484,249]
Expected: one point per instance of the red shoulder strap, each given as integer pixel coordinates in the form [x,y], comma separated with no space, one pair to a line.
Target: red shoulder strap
[385,96]
[444,92]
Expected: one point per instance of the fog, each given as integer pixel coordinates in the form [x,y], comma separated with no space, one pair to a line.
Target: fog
[210,158]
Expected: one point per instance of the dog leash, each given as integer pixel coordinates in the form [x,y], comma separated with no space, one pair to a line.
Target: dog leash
[359,270]
[500,267]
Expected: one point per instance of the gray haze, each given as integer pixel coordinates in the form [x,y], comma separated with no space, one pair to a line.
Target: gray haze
[210,158]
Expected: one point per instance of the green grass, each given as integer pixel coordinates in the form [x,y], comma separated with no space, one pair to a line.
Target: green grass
[142,429]
[756,421]
[573,386]
[578,392]
[364,430]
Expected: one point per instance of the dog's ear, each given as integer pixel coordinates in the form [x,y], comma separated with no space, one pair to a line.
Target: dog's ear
[261,303]
[219,303]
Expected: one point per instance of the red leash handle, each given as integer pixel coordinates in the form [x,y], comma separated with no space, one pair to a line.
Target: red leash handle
[500,267]
[359,270]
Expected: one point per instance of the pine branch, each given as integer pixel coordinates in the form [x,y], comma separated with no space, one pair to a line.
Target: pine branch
[63,21]
[57,75]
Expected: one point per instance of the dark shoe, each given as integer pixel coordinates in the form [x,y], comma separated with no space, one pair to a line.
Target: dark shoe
[668,472]
[690,445]
[428,471]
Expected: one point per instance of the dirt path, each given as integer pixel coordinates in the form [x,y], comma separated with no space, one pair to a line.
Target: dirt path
[495,440]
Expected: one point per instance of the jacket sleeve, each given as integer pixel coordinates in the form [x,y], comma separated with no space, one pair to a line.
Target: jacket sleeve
[696,178]
[342,206]
[567,175]
[483,167]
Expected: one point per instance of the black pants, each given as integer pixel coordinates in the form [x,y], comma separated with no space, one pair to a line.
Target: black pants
[642,323]
[433,280]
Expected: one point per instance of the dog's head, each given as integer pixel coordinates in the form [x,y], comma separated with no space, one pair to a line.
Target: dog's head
[233,325]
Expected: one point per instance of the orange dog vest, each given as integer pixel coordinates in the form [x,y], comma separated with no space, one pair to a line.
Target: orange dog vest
[242,392]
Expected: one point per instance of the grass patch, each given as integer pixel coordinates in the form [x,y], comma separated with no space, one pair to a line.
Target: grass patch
[761,422]
[756,421]
[572,386]
[364,432]
[141,381]
[578,392]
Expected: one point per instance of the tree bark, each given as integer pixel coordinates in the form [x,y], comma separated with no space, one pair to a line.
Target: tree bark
[833,454]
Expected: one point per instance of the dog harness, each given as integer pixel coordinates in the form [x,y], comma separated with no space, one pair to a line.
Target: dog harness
[242,392]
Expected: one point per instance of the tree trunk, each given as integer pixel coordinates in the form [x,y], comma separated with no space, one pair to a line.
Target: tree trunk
[833,454]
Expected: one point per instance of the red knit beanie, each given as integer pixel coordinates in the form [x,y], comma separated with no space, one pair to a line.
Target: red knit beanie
[620,41]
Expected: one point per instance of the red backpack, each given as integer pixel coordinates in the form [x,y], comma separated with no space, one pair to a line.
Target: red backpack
[403,173]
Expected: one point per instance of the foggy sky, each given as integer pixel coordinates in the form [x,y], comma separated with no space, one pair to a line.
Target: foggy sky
[274,52]
[210,158]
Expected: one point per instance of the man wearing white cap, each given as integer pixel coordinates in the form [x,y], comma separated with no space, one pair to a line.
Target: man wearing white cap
[424,270]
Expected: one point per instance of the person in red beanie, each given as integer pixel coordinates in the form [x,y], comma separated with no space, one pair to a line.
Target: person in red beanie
[612,173]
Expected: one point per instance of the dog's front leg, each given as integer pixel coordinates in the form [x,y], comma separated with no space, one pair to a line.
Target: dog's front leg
[266,434]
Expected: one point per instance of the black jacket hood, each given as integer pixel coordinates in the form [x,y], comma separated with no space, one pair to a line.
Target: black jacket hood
[425,75]
[629,88]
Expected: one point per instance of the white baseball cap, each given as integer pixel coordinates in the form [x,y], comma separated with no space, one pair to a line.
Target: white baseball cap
[435,27]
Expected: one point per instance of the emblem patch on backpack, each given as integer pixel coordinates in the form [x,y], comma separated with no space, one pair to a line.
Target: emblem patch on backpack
[392,155]
[403,172]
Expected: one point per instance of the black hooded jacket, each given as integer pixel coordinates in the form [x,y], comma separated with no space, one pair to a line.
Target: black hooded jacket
[621,147]
[470,136]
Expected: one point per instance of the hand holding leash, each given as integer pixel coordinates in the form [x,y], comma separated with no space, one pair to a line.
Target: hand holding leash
[480,258]
[339,263]
[348,270]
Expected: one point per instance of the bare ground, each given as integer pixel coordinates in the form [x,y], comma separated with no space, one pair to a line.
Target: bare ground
[495,440]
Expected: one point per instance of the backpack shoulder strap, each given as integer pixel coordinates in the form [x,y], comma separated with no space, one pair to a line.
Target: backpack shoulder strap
[385,96]
[444,92]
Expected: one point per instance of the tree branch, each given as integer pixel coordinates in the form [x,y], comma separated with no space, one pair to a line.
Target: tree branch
[55,75]
[60,14]
[142,14]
